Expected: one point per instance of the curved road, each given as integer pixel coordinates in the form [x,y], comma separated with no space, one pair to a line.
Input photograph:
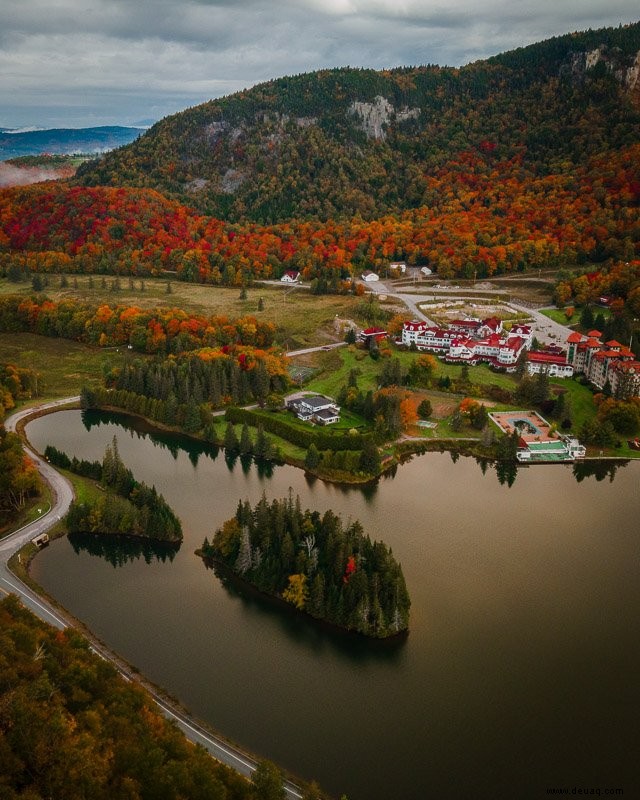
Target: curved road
[9,583]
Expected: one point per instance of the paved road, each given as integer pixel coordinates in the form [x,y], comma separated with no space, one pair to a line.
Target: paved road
[306,350]
[62,496]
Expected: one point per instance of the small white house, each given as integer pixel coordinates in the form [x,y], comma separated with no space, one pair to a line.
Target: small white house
[426,271]
[290,276]
[369,276]
[398,266]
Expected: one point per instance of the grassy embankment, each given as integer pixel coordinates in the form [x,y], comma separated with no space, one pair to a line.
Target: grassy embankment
[84,490]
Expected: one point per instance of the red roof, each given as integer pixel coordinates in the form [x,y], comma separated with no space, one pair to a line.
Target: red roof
[374,332]
[612,345]
[415,325]
[594,334]
[547,358]
[575,337]
[514,343]
[465,323]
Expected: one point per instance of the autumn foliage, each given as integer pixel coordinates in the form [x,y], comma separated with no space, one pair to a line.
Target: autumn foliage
[159,330]
[479,216]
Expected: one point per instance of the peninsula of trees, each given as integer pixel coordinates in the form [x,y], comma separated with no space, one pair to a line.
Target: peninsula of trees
[313,561]
[128,507]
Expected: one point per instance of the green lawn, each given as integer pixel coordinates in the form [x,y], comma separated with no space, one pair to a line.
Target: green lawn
[558,315]
[582,405]
[337,365]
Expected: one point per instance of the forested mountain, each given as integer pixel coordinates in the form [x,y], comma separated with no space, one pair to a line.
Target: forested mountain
[352,142]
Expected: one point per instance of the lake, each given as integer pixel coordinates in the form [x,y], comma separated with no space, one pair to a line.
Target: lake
[520,670]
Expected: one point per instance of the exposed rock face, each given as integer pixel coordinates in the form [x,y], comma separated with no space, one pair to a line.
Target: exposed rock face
[373,117]
[632,77]
[626,70]
[232,180]
[214,130]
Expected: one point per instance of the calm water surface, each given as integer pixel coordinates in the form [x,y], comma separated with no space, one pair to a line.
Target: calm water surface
[520,672]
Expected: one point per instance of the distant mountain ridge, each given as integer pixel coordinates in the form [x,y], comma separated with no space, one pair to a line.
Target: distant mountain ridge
[345,143]
[61,141]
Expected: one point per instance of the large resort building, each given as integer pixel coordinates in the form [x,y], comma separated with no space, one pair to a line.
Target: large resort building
[605,363]
[470,341]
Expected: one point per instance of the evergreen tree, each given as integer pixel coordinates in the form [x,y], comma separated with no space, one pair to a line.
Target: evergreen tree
[231,443]
[192,422]
[541,387]
[245,444]
[262,445]
[370,458]
[425,409]
[586,318]
[312,458]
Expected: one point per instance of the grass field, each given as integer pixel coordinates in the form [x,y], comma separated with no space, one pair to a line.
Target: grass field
[64,366]
[558,315]
[302,319]
[337,365]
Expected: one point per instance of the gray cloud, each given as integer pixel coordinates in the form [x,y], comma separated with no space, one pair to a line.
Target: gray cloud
[81,62]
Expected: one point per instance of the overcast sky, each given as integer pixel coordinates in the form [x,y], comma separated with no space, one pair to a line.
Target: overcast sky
[77,63]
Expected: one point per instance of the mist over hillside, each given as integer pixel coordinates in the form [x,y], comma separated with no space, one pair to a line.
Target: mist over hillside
[29,142]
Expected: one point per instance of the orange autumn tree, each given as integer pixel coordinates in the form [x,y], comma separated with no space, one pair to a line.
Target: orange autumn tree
[408,411]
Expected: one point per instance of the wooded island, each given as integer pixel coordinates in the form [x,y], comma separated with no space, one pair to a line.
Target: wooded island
[313,561]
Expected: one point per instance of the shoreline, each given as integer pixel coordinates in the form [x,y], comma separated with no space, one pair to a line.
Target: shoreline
[211,563]
[197,731]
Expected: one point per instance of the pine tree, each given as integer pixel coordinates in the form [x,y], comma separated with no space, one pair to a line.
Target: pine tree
[245,556]
[312,458]
[261,447]
[370,458]
[586,318]
[192,421]
[231,443]
[245,445]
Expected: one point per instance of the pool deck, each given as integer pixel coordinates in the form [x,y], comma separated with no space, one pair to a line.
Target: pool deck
[505,421]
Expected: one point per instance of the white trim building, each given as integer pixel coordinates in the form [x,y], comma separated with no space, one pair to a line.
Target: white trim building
[316,408]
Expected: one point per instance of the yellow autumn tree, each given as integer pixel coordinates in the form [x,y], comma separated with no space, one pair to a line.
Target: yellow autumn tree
[296,592]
